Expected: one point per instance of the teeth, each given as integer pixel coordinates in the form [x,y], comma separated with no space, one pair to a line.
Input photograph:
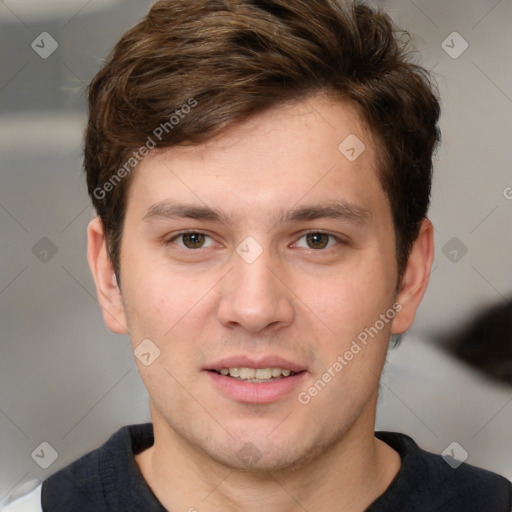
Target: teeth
[246,373]
[256,374]
[263,373]
[276,372]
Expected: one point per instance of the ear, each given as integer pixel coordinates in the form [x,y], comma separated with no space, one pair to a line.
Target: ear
[415,278]
[109,294]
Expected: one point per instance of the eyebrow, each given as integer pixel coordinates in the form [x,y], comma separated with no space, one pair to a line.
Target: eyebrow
[170,210]
[334,209]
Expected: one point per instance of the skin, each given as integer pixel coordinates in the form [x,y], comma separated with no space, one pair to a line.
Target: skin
[304,304]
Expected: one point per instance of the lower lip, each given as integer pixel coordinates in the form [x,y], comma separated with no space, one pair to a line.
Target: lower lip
[254,392]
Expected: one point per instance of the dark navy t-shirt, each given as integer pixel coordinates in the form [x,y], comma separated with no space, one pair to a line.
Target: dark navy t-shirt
[109,480]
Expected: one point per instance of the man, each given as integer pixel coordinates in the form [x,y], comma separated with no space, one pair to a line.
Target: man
[261,173]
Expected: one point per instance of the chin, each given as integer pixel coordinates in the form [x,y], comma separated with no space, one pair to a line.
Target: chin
[269,457]
[250,460]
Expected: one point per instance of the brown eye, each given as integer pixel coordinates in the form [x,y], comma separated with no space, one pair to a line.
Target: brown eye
[317,240]
[193,240]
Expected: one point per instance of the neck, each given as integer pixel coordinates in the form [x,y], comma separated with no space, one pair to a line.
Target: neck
[348,476]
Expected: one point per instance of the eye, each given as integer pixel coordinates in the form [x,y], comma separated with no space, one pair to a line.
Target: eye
[316,240]
[192,240]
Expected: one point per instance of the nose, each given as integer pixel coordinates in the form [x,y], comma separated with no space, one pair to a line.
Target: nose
[255,297]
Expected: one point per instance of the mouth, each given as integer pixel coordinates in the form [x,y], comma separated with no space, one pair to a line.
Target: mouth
[259,381]
[258,375]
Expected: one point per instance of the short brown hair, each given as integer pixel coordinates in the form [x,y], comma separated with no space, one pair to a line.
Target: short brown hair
[193,67]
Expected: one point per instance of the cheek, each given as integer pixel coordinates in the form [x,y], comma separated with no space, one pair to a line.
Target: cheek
[351,299]
[352,353]
[159,298]
[151,310]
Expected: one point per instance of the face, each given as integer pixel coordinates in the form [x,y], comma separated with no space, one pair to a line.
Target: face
[262,268]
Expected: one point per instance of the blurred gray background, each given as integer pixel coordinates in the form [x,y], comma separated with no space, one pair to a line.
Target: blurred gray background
[67,381]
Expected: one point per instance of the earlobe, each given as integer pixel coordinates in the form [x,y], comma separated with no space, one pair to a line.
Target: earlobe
[109,294]
[415,279]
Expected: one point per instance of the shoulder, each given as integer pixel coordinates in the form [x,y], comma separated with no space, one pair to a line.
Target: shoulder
[445,481]
[93,482]
[75,483]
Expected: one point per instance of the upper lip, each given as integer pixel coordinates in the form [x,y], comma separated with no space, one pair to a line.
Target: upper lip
[244,361]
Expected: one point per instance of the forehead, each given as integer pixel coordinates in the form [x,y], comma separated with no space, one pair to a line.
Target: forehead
[310,151]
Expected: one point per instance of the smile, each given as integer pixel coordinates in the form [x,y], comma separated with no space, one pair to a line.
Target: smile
[256,374]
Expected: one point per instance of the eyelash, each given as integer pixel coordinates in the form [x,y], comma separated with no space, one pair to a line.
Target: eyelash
[337,239]
[171,240]
[303,235]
